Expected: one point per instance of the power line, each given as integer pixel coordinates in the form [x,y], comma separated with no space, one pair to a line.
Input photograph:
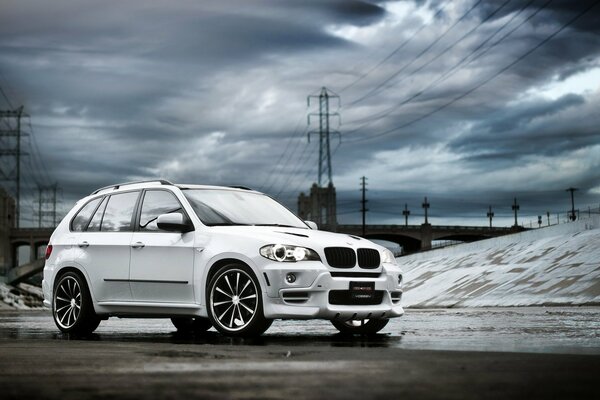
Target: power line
[396,50]
[36,153]
[6,98]
[418,56]
[382,114]
[278,163]
[465,94]
[298,165]
[308,173]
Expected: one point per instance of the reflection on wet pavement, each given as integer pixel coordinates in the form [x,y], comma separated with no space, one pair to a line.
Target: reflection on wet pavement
[539,329]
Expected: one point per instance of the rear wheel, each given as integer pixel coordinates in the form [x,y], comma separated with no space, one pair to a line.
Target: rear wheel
[360,326]
[234,302]
[197,325]
[72,306]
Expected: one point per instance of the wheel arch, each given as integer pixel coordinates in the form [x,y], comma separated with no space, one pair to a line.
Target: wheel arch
[225,259]
[78,270]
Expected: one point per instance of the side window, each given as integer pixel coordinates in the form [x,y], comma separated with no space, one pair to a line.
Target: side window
[80,221]
[157,202]
[118,212]
[94,225]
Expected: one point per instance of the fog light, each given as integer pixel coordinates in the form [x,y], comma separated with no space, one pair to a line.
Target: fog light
[290,278]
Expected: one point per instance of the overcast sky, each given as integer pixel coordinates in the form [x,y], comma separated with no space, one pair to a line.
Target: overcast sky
[469,103]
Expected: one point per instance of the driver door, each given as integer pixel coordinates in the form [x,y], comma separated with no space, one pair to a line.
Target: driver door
[162,263]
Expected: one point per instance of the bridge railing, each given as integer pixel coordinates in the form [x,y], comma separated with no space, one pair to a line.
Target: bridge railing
[563,217]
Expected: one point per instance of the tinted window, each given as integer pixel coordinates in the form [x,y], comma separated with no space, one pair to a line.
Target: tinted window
[83,216]
[94,225]
[157,202]
[118,212]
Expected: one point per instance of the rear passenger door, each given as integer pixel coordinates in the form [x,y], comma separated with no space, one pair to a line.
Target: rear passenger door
[162,263]
[104,247]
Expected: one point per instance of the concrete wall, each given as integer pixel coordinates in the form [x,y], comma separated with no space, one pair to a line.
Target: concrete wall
[553,265]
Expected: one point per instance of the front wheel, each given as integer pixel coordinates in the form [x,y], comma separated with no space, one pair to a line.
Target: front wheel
[72,306]
[234,302]
[360,326]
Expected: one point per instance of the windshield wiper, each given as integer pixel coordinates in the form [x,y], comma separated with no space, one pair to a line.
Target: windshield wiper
[227,224]
[279,225]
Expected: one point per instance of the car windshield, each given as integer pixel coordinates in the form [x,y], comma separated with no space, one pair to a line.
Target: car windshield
[233,207]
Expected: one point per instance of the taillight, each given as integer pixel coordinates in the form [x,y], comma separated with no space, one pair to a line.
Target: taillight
[48,251]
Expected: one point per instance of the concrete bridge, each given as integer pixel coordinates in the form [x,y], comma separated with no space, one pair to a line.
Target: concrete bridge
[419,237]
[14,239]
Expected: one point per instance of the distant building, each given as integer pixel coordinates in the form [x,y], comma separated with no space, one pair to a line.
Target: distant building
[319,206]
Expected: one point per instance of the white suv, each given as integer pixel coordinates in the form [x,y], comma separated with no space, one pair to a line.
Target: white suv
[204,256]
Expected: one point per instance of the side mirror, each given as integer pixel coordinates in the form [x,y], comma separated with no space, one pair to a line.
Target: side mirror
[312,225]
[173,222]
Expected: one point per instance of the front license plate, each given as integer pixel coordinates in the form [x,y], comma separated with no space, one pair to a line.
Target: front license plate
[362,290]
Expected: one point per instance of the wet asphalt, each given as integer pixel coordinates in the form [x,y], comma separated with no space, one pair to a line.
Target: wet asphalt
[448,354]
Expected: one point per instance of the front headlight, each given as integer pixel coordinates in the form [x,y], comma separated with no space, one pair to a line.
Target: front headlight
[288,253]
[388,257]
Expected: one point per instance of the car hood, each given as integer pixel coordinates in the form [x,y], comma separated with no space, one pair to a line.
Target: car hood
[314,239]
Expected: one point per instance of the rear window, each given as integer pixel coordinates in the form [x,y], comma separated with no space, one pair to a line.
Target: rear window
[80,222]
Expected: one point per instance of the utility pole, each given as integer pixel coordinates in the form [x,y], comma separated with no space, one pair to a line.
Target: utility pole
[406,213]
[572,190]
[548,215]
[490,215]
[324,131]
[515,208]
[11,147]
[425,206]
[363,203]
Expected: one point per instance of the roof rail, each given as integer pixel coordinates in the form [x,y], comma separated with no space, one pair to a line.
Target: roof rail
[118,185]
[240,187]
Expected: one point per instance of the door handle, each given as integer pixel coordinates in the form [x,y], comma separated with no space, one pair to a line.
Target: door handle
[138,245]
[83,245]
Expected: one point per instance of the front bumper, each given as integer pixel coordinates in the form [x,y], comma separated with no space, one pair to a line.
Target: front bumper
[309,296]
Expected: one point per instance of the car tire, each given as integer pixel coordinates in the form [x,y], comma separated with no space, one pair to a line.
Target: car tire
[234,302]
[360,327]
[72,306]
[191,325]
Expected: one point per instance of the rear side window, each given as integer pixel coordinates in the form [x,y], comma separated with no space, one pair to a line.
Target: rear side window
[94,225]
[157,202]
[82,218]
[118,212]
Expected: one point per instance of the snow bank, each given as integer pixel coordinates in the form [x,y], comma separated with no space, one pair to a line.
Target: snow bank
[23,297]
[547,266]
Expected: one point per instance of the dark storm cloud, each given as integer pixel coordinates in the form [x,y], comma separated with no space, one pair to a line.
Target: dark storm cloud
[525,129]
[560,11]
[210,92]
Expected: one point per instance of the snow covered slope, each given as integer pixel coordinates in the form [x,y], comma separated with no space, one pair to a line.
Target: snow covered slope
[554,265]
